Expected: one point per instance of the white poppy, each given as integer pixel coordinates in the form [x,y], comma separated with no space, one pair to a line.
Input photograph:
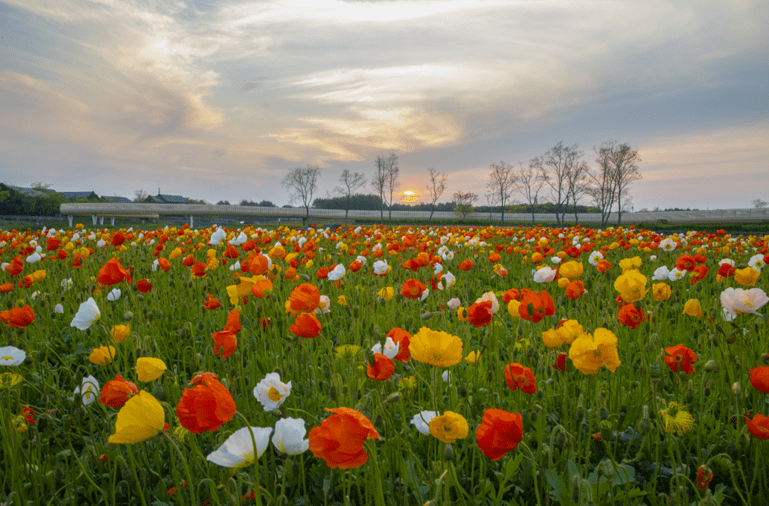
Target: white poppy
[447,281]
[86,315]
[58,308]
[324,305]
[422,421]
[66,283]
[446,376]
[114,294]
[34,257]
[101,243]
[556,260]
[289,436]
[757,262]
[238,450]
[390,350]
[437,268]
[493,298]
[235,266]
[668,244]
[239,239]
[217,237]
[595,257]
[676,274]
[271,392]
[380,267]
[661,274]
[544,275]
[337,273]
[453,303]
[362,260]
[88,390]
[739,300]
[10,355]
[424,295]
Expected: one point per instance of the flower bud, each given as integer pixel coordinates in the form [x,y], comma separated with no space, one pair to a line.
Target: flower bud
[448,453]
[605,469]
[711,366]
[128,316]
[737,389]
[580,414]
[603,413]
[393,398]
[654,369]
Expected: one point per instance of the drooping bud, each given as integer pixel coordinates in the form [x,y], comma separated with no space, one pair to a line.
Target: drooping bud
[711,366]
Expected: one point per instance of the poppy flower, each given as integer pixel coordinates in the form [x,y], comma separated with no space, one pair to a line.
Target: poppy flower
[339,439]
[306,325]
[686,263]
[436,348]
[747,276]
[631,285]
[693,308]
[511,294]
[289,436]
[112,273]
[271,392]
[575,289]
[535,306]
[590,352]
[88,390]
[466,265]
[449,427]
[120,332]
[603,266]
[322,273]
[571,270]
[226,343]
[205,406]
[412,288]
[758,426]
[189,260]
[262,287]
[479,313]
[304,298]
[661,291]
[15,267]
[10,356]
[149,369]
[725,270]
[759,378]
[403,340]
[680,358]
[630,316]
[704,475]
[212,303]
[139,419]
[569,330]
[560,362]
[102,355]
[520,377]
[165,265]
[144,285]
[116,392]
[740,301]
[382,369]
[500,432]
[118,239]
[6,287]
[238,450]
[52,243]
[233,321]
[18,317]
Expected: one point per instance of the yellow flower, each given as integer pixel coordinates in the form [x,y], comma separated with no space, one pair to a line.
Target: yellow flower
[627,264]
[39,275]
[212,263]
[237,292]
[512,308]
[677,420]
[409,383]
[176,253]
[120,332]
[347,351]
[449,427]
[462,313]
[631,285]
[563,282]
[552,338]
[473,357]
[9,380]
[590,352]
[571,270]
[661,291]
[435,348]
[341,300]
[570,330]
[102,355]
[149,369]
[138,420]
[386,293]
[747,276]
[693,308]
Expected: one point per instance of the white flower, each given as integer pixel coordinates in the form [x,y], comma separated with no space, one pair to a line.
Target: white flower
[454,303]
[66,283]
[10,355]
[289,436]
[437,268]
[58,308]
[337,273]
[556,260]
[447,281]
[422,421]
[741,301]
[493,298]
[101,243]
[668,244]
[271,392]
[75,237]
[235,266]
[88,390]
[114,294]
[362,260]
[661,274]
[86,315]
[238,450]
[676,274]
[155,265]
[380,267]
[217,237]
[448,255]
[34,257]
[239,240]
[653,258]
[544,275]
[757,262]
[446,376]
[726,261]
[424,295]
[324,305]
[391,348]
[728,315]
[595,257]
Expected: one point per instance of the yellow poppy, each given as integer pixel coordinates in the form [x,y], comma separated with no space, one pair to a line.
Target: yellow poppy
[120,332]
[661,291]
[628,264]
[386,293]
[552,338]
[102,355]
[631,285]
[139,419]
[473,357]
[512,308]
[449,427]
[149,369]
[570,330]
[747,276]
[571,270]
[435,348]
[590,352]
[693,308]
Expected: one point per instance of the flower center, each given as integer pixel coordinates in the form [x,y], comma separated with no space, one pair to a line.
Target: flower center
[7,358]
[274,395]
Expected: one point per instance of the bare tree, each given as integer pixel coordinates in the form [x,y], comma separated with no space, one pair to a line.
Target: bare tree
[491,202]
[760,204]
[140,196]
[463,202]
[391,181]
[625,163]
[501,184]
[435,187]
[528,184]
[301,184]
[578,185]
[602,188]
[40,185]
[553,169]
[350,183]
[380,183]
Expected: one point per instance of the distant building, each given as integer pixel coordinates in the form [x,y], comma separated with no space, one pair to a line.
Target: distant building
[119,200]
[28,192]
[79,195]
[162,198]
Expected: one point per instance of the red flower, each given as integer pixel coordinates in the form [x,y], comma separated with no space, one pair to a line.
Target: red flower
[518,376]
[18,317]
[305,297]
[198,269]
[726,270]
[575,289]
[686,263]
[52,243]
[680,358]
[258,265]
[535,306]
[699,273]
[6,287]
[206,406]
[116,392]
[479,313]
[511,294]
[112,273]
[118,238]
[466,265]
[165,264]
[382,370]
[233,321]
[339,438]
[29,414]
[322,273]
[189,260]
[15,267]
[212,303]
[144,285]
[226,343]
[499,432]
[603,266]
[630,316]
[412,288]
[704,475]
[403,339]
[306,325]
[560,362]
[758,426]
[759,378]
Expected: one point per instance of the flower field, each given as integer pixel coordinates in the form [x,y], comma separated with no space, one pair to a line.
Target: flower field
[379,366]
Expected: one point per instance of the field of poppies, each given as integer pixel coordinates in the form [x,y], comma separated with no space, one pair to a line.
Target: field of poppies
[383,366]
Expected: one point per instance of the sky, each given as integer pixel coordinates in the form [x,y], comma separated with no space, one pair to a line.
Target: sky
[218,100]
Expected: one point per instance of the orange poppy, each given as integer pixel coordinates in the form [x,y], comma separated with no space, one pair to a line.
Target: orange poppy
[116,392]
[382,369]
[520,377]
[603,266]
[262,288]
[412,288]
[212,303]
[306,325]
[15,267]
[233,321]
[698,273]
[680,358]
[630,316]
[466,265]
[305,297]
[206,406]
[118,239]
[258,265]
[535,306]
[164,264]
[500,431]
[18,317]
[6,287]
[77,261]
[144,285]
[61,254]
[575,289]
[322,273]
[112,273]
[188,261]
[685,263]
[511,294]
[759,378]
[198,269]
[339,439]
[52,243]
[479,313]
[226,343]
[355,266]
[758,426]
[403,339]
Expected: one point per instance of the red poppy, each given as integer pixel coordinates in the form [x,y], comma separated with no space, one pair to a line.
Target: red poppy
[699,273]
[118,239]
[233,321]
[116,392]
[306,325]
[758,426]
[52,243]
[15,267]
[500,431]
[518,376]
[212,303]
[466,265]
[403,340]
[339,438]
[198,270]
[264,322]
[206,406]
[479,313]
[226,343]
[680,358]
[511,294]
[574,251]
[144,285]
[412,288]
[759,378]
[112,273]
[29,414]
[322,273]
[355,266]
[630,315]
[77,261]
[305,297]
[685,263]
[575,289]
[6,287]
[262,288]
[704,475]
[259,265]
[726,270]
[382,369]
[61,254]
[230,251]
[18,317]
[560,362]
[165,264]
[603,266]
[535,306]
[188,261]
